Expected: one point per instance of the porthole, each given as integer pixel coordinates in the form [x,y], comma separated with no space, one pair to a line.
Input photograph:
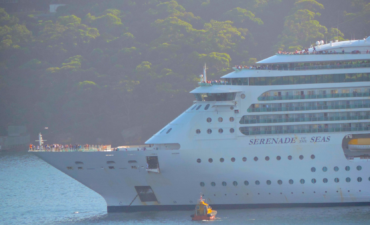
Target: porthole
[232,159]
[220,119]
[290,157]
[280,182]
[324,169]
[257,182]
[313,169]
[199,107]
[336,180]
[202,184]
[302,181]
[209,131]
[207,106]
[359,179]
[224,183]
[255,159]
[291,181]
[325,180]
[278,158]
[268,182]
[213,184]
[169,131]
[220,131]
[312,156]
[313,181]
[210,160]
[267,158]
[301,157]
[244,159]
[222,160]
[336,168]
[231,119]
[231,107]
[359,168]
[242,96]
[348,179]
[231,130]
[246,183]
[197,131]
[209,119]
[348,168]
[235,183]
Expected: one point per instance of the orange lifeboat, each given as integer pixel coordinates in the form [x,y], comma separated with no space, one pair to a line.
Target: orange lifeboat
[203,211]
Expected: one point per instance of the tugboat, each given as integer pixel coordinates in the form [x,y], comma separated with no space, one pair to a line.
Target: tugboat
[203,211]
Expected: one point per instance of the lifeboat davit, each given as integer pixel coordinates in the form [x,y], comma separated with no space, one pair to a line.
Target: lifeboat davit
[359,144]
[203,211]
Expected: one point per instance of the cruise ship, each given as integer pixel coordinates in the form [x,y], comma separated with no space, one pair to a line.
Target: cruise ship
[294,130]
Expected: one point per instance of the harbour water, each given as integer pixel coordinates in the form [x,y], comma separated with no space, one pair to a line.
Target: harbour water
[33,192]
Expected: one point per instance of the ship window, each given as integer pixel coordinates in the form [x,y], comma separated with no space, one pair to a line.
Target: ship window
[244,159]
[336,169]
[324,169]
[169,131]
[290,157]
[220,119]
[278,158]
[222,160]
[79,162]
[207,106]
[268,182]
[199,107]
[359,168]
[313,169]
[231,130]
[246,183]
[210,160]
[111,167]
[235,183]
[213,184]
[348,168]
[199,160]
[313,180]
[194,107]
[242,96]
[80,168]
[110,162]
[256,159]
[301,157]
[202,184]
[291,181]
[69,168]
[267,158]
[302,181]
[231,119]
[132,161]
[325,180]
[280,182]
[257,182]
[197,131]
[133,167]
[215,96]
[348,179]
[209,120]
[209,131]
[224,183]
[359,179]
[220,131]
[312,156]
[232,159]
[336,180]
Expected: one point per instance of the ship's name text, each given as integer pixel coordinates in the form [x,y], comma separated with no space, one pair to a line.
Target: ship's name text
[288,140]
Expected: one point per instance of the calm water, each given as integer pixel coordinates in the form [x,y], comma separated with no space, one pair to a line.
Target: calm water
[33,192]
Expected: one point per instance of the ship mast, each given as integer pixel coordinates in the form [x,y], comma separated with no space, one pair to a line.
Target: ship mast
[41,141]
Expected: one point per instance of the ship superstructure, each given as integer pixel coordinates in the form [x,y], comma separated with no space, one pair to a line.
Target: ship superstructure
[280,133]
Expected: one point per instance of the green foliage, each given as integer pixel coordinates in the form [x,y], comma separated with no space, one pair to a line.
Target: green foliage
[240,15]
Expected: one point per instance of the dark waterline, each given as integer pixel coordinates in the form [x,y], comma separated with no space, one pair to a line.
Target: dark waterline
[33,192]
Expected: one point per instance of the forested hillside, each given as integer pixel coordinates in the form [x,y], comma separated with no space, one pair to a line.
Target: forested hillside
[117,71]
